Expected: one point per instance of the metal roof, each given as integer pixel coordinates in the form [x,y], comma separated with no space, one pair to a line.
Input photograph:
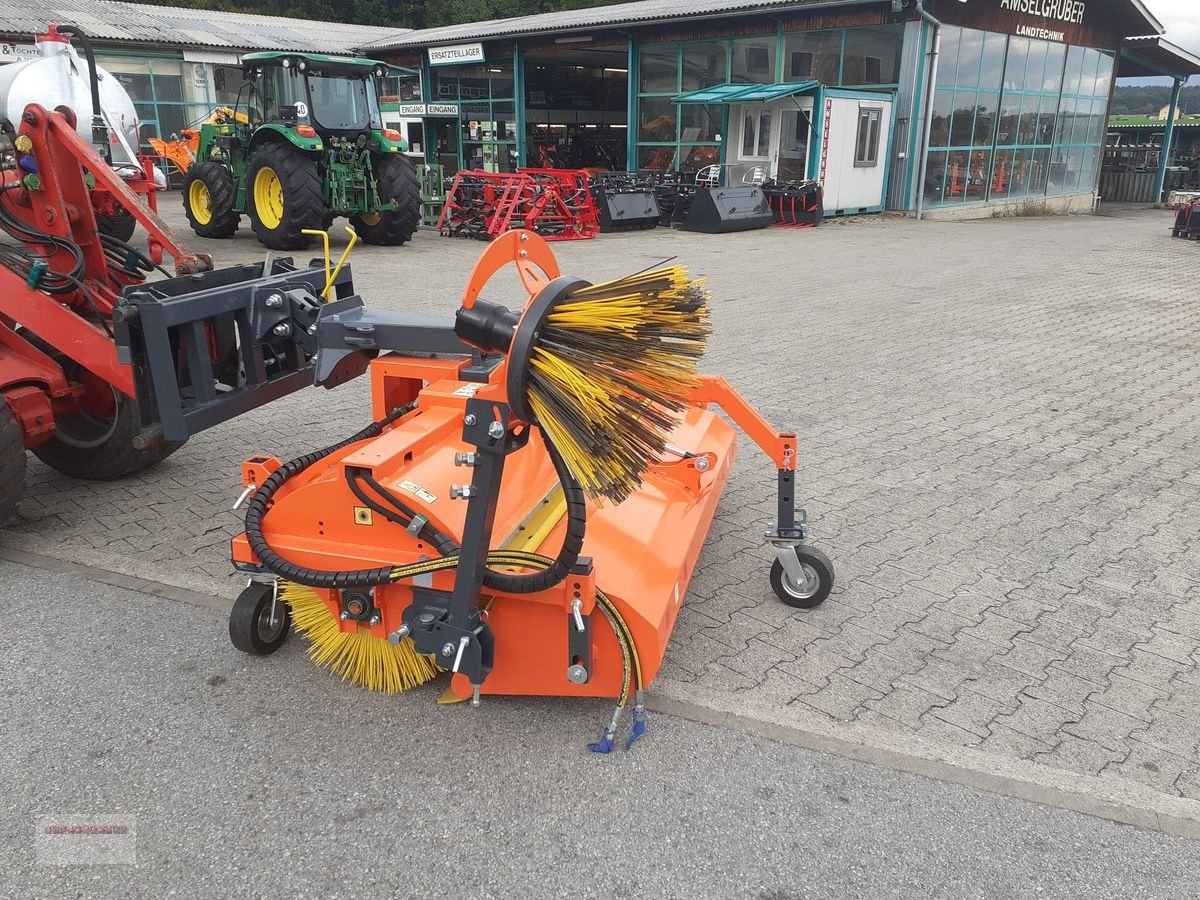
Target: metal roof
[109,20]
[642,12]
[1153,55]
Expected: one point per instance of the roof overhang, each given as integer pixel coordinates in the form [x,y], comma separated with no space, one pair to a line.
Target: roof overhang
[747,93]
[1154,56]
[618,17]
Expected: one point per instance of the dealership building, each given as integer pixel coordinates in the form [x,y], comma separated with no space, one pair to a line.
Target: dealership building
[947,107]
[943,108]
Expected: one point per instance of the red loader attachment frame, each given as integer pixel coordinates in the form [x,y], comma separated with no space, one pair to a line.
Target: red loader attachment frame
[63,285]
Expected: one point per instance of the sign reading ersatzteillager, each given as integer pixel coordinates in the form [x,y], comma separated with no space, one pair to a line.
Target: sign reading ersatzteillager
[459,53]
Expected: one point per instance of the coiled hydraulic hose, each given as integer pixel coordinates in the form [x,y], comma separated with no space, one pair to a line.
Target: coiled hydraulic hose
[549,575]
[256,511]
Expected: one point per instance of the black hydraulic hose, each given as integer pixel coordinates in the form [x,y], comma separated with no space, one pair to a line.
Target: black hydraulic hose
[531,583]
[101,139]
[572,545]
[256,511]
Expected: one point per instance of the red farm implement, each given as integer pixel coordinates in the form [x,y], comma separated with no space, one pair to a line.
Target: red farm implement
[553,203]
[104,368]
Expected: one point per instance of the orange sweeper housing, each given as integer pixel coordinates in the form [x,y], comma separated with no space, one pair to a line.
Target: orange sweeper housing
[528,507]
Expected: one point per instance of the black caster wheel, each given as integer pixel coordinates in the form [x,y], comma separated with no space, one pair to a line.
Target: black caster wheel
[259,621]
[817,583]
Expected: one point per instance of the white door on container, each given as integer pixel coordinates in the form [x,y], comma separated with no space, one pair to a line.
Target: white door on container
[754,143]
[791,146]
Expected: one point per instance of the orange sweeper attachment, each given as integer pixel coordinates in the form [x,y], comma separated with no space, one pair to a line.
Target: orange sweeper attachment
[529,505]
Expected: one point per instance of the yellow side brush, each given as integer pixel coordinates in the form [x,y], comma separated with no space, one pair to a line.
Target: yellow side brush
[611,368]
[358,655]
[604,369]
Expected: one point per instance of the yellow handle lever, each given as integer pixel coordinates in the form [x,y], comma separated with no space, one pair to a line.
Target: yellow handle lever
[341,262]
[324,236]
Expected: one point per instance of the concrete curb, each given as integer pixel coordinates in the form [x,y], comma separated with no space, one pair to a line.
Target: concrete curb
[1112,798]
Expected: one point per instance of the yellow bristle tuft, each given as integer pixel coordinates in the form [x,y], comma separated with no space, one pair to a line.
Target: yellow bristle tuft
[358,655]
[612,369]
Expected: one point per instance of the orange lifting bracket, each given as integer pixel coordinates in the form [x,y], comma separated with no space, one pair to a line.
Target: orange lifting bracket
[780,446]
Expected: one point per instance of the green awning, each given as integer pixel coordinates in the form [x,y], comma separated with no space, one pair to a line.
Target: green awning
[747,93]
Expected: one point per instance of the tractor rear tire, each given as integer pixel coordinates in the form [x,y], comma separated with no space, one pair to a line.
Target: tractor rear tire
[397,182]
[209,198]
[121,225]
[285,196]
[12,463]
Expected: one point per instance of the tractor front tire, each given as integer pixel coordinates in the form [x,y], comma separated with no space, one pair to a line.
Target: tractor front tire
[209,198]
[12,462]
[396,181]
[285,196]
[120,225]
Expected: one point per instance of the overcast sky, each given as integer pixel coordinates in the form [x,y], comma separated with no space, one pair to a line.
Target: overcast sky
[1182,18]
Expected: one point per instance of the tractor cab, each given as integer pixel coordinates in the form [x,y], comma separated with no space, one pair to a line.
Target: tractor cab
[333,96]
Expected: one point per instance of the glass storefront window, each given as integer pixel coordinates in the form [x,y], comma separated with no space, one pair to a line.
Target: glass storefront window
[400,89]
[970,57]
[656,119]
[1056,58]
[872,55]
[661,159]
[943,109]
[963,124]
[1014,66]
[1074,70]
[753,60]
[947,70]
[700,122]
[1028,122]
[500,75]
[985,119]
[658,68]
[813,56]
[696,157]
[991,71]
[704,65]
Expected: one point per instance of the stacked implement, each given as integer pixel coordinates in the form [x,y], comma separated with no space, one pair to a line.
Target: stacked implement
[529,506]
[553,203]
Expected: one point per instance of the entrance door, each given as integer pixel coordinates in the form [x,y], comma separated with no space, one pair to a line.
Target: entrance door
[791,152]
[771,141]
[754,145]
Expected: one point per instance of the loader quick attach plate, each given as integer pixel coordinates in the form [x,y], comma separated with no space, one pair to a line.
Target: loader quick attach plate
[206,348]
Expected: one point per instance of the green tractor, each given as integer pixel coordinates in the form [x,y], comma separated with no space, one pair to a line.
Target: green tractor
[309,146]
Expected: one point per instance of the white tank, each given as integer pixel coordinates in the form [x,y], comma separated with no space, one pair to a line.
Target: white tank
[59,77]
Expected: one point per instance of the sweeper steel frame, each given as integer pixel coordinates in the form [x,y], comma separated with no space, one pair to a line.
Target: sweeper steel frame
[444,404]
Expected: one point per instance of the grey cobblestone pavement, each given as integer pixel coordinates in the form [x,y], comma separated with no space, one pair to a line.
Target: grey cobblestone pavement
[1000,449]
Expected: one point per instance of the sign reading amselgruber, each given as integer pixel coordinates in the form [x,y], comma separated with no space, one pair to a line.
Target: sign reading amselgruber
[459,53]
[1068,12]
[1061,21]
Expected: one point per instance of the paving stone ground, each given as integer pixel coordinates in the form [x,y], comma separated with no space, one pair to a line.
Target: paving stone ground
[1000,449]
